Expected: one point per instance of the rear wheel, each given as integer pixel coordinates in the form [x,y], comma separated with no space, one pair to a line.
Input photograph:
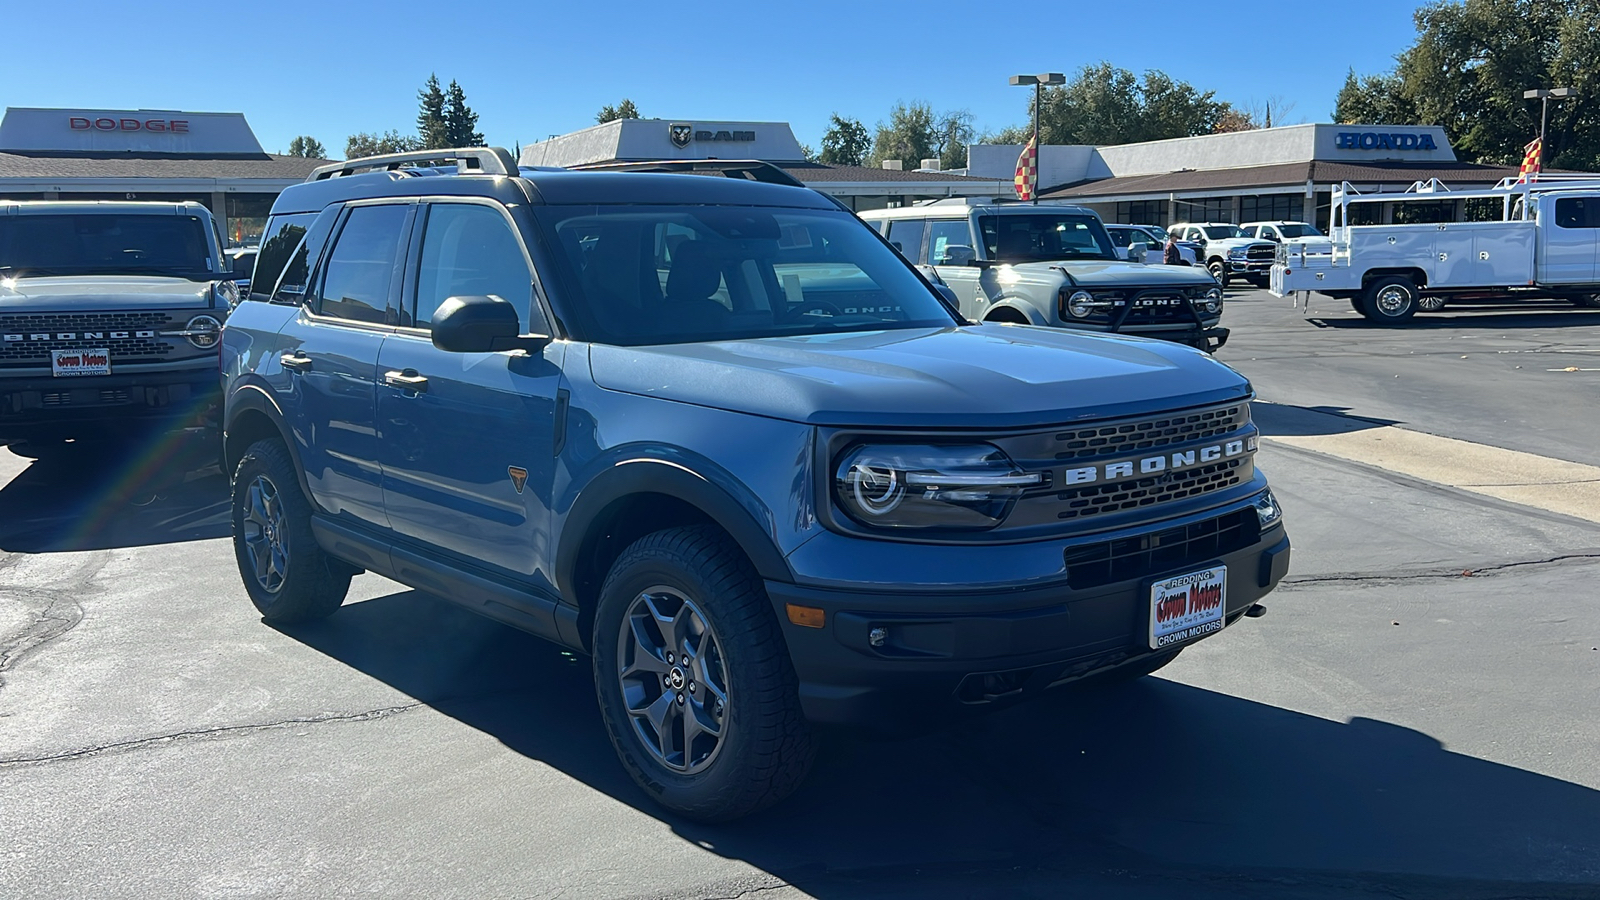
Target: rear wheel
[286,573]
[1391,300]
[1430,304]
[694,679]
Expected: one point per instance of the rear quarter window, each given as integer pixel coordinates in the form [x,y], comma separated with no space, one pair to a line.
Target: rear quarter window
[279,241]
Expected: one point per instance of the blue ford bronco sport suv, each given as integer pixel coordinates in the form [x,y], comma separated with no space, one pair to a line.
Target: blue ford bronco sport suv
[717,434]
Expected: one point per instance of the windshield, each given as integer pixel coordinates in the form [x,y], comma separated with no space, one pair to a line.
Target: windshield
[1298,230]
[102,244]
[1041,237]
[640,275]
[1222,232]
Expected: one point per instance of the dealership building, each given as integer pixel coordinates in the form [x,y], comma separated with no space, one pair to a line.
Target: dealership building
[859,187]
[114,154]
[1266,174]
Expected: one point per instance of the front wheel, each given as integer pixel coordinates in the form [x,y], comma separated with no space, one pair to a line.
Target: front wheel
[694,679]
[1219,271]
[287,575]
[1390,301]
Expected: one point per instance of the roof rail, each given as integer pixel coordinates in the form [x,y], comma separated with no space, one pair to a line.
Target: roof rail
[748,169]
[468,160]
[1551,179]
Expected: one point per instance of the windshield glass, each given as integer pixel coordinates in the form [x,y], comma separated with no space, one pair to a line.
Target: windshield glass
[1041,237]
[639,275]
[1222,232]
[101,244]
[1297,230]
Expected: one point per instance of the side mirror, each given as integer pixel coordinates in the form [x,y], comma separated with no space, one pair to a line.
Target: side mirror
[958,255]
[948,295]
[1138,252]
[481,325]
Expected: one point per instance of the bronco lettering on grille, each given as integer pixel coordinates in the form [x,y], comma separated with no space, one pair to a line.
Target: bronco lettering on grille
[1155,465]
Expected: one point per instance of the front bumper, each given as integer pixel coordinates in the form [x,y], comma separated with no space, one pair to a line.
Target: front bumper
[1249,266]
[943,654]
[45,408]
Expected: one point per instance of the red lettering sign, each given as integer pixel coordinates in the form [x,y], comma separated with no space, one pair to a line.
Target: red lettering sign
[1171,607]
[176,126]
[128,124]
[106,124]
[78,123]
[155,125]
[180,125]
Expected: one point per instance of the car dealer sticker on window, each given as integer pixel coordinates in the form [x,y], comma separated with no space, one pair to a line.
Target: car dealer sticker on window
[80,362]
[1187,607]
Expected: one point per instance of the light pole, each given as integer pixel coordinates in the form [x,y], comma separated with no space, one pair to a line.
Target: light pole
[1038,81]
[1544,95]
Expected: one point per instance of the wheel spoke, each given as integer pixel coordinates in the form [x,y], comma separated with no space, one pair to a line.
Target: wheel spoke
[646,656]
[656,714]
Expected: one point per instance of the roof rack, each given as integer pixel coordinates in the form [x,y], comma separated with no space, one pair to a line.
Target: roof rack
[468,160]
[748,169]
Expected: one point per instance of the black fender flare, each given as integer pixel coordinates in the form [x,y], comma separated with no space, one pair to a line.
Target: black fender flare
[251,398]
[673,479]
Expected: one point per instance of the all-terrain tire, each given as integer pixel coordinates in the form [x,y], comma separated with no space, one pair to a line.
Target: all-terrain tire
[272,516]
[765,747]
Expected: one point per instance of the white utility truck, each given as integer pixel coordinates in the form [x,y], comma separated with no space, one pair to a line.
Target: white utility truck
[1395,254]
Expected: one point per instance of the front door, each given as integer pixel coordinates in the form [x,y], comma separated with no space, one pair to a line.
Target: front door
[468,438]
[951,245]
[331,361]
[1570,240]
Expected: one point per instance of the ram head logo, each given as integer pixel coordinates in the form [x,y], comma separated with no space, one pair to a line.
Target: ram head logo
[681,134]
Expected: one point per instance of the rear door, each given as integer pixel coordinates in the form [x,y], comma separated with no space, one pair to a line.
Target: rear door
[330,356]
[468,438]
[1569,240]
[951,246]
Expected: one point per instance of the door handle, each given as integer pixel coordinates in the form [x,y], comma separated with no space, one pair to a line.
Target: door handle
[297,361]
[406,379]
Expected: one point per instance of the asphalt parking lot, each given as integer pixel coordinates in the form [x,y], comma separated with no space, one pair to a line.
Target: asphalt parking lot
[1415,717]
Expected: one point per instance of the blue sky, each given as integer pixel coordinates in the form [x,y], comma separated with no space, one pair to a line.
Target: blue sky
[535,69]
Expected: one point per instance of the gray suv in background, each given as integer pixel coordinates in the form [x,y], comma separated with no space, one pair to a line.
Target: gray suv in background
[110,321]
[717,435]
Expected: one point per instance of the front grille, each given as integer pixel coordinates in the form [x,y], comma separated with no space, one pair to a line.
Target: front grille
[1128,436]
[18,348]
[1150,555]
[85,397]
[1261,253]
[1149,306]
[1135,493]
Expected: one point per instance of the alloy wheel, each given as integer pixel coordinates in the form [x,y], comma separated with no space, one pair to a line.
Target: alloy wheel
[674,679]
[266,534]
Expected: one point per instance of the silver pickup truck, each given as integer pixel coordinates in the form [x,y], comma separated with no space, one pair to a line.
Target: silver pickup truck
[1052,265]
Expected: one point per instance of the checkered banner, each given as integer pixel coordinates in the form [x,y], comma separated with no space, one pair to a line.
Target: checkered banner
[1532,162]
[1027,180]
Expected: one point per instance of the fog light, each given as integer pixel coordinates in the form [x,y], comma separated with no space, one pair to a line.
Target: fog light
[805,616]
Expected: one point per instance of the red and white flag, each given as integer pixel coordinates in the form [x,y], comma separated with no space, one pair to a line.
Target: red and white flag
[1532,159]
[1027,180]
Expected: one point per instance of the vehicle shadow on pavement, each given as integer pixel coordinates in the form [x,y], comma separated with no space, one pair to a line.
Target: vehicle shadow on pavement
[160,492]
[1277,419]
[1157,782]
[1522,315]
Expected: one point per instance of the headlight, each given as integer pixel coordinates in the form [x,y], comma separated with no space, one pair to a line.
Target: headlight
[1238,253]
[1213,300]
[968,487]
[1081,304]
[1267,509]
[228,292]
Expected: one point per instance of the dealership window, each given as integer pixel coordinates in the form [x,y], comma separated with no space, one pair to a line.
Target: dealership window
[1142,212]
[1272,208]
[247,216]
[1206,209]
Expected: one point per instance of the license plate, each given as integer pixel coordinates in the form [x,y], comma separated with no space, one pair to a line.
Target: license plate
[80,362]
[1187,607]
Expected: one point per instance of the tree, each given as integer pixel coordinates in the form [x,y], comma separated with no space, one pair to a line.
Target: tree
[623,110]
[1103,104]
[908,136]
[307,146]
[845,143]
[431,129]
[460,122]
[1467,70]
[808,153]
[952,132]
[366,144]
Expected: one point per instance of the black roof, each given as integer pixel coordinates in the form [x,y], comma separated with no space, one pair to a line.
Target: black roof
[550,186]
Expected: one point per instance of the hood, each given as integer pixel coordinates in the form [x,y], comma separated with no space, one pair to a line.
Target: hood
[1110,274]
[79,293]
[988,376]
[1231,243]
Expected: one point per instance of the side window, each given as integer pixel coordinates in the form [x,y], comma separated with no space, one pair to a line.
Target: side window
[906,236]
[469,250]
[1267,231]
[361,266]
[950,243]
[291,286]
[280,239]
[1578,212]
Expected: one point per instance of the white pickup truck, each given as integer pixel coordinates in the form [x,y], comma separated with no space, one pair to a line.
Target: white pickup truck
[1395,254]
